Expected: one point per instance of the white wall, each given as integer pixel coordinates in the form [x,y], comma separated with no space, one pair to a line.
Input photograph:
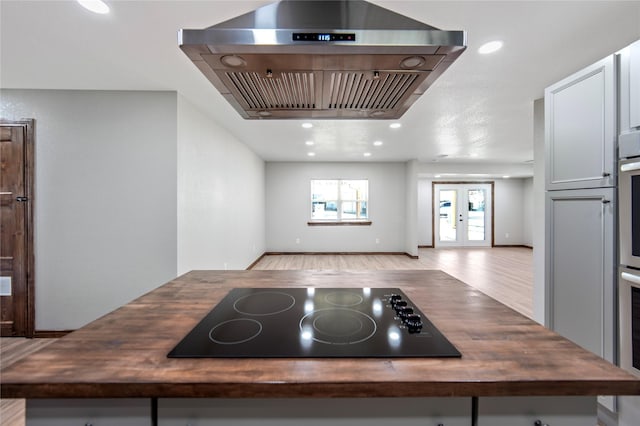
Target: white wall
[481,171]
[508,207]
[510,201]
[221,190]
[288,208]
[425,203]
[527,213]
[105,198]
[539,293]
[411,209]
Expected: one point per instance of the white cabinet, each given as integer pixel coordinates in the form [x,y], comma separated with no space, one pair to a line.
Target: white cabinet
[580,267]
[634,85]
[83,412]
[315,412]
[580,270]
[580,128]
[629,81]
[526,411]
[493,411]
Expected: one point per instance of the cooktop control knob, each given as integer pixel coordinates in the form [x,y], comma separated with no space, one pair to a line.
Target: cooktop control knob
[394,298]
[413,323]
[399,305]
[404,311]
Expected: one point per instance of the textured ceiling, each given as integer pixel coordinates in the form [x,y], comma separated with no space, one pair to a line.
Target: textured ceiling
[479,111]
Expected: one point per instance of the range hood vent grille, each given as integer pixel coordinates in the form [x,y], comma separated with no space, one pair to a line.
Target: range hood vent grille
[352,90]
[324,59]
[289,90]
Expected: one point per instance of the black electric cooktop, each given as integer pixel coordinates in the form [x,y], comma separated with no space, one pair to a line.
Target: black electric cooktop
[314,322]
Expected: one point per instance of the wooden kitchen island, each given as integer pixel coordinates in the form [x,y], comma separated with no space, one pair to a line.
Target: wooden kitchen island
[118,366]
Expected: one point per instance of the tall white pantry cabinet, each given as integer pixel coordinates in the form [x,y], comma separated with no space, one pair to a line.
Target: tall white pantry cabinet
[581,251]
[584,114]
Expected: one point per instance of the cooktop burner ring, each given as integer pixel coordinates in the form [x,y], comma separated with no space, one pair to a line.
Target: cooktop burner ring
[341,298]
[232,327]
[264,303]
[359,326]
[345,332]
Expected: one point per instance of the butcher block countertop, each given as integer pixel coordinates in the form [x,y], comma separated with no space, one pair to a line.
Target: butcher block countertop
[123,354]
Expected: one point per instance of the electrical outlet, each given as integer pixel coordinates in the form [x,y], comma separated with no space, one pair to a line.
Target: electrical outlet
[377,240]
[297,240]
[506,235]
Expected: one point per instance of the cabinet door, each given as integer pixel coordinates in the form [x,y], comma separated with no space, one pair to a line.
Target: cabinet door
[315,412]
[580,267]
[525,411]
[82,412]
[628,62]
[580,128]
[634,85]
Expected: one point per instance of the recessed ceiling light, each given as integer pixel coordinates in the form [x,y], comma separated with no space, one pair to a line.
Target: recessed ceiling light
[395,125]
[490,47]
[377,143]
[307,125]
[96,6]
[437,176]
[506,177]
[309,143]
[367,154]
[311,154]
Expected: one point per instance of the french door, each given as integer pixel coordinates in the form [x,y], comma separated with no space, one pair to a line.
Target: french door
[462,215]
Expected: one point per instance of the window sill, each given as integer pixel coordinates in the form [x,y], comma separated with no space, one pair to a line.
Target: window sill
[340,223]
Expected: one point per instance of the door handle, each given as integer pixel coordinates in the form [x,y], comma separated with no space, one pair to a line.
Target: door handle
[629,167]
[630,277]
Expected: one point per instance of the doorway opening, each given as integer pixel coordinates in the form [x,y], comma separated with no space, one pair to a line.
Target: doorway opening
[462,214]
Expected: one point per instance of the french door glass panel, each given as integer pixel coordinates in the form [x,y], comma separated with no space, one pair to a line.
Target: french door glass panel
[476,214]
[447,218]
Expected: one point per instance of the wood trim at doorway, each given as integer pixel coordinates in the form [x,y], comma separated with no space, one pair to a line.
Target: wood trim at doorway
[28,125]
[433,207]
[50,334]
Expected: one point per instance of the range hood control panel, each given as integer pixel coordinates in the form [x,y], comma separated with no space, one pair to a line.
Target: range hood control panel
[324,37]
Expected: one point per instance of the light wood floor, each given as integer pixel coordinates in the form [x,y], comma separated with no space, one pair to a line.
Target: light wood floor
[506,274]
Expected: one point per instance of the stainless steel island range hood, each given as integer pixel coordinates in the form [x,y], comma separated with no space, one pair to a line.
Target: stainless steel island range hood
[345,59]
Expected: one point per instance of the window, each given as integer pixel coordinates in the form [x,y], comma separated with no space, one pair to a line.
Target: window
[339,200]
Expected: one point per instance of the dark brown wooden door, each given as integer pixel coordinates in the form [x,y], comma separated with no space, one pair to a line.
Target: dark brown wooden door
[16,228]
